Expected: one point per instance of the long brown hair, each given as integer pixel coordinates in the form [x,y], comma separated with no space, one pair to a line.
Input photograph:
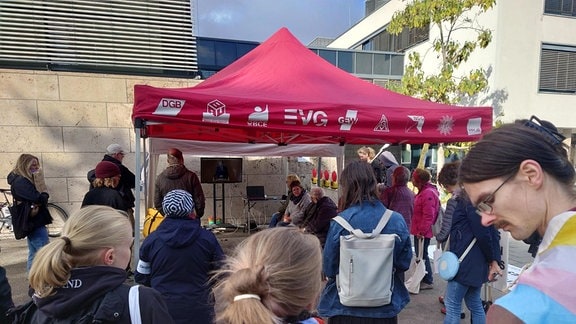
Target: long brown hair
[358,184]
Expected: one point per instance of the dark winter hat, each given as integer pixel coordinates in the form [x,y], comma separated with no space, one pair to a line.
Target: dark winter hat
[178,204]
[106,169]
[176,153]
[295,183]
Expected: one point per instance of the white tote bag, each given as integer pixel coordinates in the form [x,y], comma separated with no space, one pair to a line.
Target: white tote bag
[437,254]
[416,272]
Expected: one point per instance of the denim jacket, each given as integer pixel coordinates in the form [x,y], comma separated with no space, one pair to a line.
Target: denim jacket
[365,216]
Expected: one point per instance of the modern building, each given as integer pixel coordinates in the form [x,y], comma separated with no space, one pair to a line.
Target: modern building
[68,70]
[531,61]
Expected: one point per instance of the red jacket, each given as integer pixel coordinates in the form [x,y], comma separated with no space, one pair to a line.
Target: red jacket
[426,205]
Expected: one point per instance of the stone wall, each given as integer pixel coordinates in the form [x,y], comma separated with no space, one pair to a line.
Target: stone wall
[68,119]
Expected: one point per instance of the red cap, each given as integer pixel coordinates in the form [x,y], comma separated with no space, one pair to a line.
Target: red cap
[106,169]
[176,153]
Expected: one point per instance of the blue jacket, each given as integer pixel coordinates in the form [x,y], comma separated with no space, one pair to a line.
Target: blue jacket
[366,216]
[176,260]
[466,224]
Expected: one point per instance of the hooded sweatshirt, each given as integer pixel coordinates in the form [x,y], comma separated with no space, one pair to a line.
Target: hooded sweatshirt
[176,260]
[94,295]
[177,176]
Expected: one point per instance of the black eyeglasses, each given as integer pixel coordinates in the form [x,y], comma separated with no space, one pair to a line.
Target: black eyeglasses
[550,134]
[485,206]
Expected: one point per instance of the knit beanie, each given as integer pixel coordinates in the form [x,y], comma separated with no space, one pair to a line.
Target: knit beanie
[178,204]
[295,183]
[176,153]
[106,169]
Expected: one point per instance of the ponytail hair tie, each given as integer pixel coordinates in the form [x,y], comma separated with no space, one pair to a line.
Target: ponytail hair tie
[67,244]
[246,296]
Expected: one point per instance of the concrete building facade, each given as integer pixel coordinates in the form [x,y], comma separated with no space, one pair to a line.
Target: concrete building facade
[531,61]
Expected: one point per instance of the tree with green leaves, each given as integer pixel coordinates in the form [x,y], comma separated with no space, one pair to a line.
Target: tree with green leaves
[448,17]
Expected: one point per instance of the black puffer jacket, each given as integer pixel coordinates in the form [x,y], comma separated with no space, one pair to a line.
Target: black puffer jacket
[23,190]
[105,196]
[177,176]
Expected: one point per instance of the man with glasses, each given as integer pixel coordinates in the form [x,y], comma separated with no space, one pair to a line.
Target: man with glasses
[520,179]
[115,154]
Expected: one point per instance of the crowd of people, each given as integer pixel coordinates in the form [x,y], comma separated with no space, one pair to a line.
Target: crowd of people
[517,178]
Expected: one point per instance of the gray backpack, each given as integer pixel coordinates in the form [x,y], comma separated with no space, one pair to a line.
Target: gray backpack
[366,265]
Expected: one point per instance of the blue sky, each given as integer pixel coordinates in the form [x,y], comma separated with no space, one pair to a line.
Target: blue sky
[256,20]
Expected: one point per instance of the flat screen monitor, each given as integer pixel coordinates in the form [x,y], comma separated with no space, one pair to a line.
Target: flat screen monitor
[220,170]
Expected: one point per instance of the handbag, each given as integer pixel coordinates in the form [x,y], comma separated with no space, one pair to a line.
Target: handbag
[34,210]
[449,263]
[416,272]
[21,212]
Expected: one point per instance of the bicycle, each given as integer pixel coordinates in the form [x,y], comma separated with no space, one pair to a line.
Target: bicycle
[5,216]
[59,215]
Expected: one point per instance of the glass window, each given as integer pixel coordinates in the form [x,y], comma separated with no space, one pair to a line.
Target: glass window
[560,7]
[242,49]
[329,56]
[225,53]
[206,53]
[364,63]
[558,69]
[397,63]
[346,61]
[382,64]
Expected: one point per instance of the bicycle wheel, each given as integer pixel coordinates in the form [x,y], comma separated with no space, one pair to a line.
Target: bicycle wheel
[59,216]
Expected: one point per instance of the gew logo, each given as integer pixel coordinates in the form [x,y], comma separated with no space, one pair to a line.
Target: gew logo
[292,116]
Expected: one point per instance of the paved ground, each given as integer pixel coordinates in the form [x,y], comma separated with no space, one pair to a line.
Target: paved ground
[423,308]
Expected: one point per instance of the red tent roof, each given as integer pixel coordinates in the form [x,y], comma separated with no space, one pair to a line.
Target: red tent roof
[281,92]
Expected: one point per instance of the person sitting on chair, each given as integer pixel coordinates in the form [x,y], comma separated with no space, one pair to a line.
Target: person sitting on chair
[300,199]
[277,216]
[318,214]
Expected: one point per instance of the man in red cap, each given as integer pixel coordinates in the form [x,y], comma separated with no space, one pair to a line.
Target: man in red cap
[177,176]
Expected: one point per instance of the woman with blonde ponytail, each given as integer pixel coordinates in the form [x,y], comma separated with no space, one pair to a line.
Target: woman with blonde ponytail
[260,285]
[79,277]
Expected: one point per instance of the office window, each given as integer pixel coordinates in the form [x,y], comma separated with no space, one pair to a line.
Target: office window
[386,42]
[346,61]
[329,56]
[560,7]
[558,69]
[382,64]
[364,63]
[225,53]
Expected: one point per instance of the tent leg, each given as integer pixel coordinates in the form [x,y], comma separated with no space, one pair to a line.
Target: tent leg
[137,189]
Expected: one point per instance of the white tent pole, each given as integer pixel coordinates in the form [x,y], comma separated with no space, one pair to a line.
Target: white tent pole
[137,189]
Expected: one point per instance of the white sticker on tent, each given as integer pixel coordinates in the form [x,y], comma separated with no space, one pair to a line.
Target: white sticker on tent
[169,107]
[474,126]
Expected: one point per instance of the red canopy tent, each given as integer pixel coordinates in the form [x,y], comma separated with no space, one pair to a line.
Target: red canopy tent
[281,99]
[283,93]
